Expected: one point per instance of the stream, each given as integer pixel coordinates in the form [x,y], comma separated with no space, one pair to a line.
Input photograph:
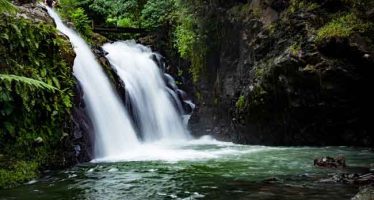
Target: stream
[201,169]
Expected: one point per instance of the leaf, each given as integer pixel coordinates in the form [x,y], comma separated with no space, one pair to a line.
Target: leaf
[43,72]
[67,101]
[28,81]
[18,32]
[8,109]
[6,6]
[10,128]
[5,36]
[56,82]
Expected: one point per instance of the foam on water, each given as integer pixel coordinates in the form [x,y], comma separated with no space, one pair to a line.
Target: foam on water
[204,148]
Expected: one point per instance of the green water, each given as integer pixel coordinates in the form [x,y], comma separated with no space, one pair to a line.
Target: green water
[202,171]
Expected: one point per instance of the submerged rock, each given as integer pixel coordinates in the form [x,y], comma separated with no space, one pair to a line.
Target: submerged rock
[329,162]
[272,180]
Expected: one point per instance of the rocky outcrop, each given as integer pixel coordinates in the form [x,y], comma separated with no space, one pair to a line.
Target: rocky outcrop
[366,193]
[281,77]
[82,136]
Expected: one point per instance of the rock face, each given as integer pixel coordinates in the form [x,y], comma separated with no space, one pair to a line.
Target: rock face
[82,136]
[280,76]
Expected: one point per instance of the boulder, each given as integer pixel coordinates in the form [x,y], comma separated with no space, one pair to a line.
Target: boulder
[329,162]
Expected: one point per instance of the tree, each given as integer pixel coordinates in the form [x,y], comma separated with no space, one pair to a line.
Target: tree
[157,13]
[119,9]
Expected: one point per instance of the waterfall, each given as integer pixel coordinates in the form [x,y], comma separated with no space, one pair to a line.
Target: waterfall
[155,101]
[114,132]
[154,104]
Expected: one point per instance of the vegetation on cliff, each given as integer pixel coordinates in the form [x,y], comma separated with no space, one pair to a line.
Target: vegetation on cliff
[36,91]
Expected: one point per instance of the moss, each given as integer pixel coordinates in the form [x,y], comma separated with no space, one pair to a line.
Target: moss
[198,96]
[240,104]
[271,28]
[18,172]
[301,5]
[341,27]
[190,41]
[294,49]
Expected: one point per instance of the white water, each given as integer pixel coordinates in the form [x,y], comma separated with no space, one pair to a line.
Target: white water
[156,114]
[165,135]
[205,148]
[114,133]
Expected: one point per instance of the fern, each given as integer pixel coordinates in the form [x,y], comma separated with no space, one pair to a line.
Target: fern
[6,6]
[28,81]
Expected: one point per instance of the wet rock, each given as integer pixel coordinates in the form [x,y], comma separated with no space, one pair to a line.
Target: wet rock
[329,162]
[364,179]
[365,193]
[80,142]
[159,60]
[36,12]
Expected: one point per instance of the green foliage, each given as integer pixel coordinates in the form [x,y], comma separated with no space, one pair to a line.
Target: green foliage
[301,5]
[189,38]
[185,36]
[6,6]
[8,79]
[17,173]
[73,12]
[125,22]
[157,13]
[81,21]
[38,106]
[119,9]
[135,13]
[240,104]
[341,27]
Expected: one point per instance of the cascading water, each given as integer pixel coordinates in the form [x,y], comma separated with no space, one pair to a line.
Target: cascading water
[151,100]
[155,108]
[114,132]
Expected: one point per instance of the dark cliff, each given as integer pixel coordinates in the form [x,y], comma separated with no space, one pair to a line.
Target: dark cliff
[287,72]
